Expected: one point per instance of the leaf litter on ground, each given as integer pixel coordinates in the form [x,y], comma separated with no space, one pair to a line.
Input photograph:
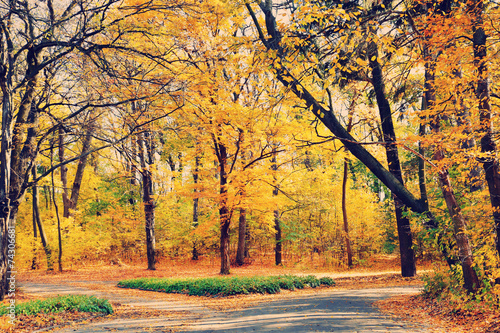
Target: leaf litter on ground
[382,272]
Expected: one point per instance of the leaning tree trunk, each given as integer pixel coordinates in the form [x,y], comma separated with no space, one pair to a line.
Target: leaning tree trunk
[408,267]
[488,146]
[471,281]
[82,163]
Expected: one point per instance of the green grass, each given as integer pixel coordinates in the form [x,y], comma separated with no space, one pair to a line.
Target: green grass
[225,286]
[61,303]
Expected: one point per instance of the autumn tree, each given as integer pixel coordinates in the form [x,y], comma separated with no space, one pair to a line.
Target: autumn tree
[34,37]
[277,43]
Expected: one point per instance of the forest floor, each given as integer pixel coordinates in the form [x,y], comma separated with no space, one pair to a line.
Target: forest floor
[101,280]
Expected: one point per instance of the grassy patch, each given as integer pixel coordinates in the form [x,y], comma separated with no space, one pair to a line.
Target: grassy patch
[58,304]
[225,286]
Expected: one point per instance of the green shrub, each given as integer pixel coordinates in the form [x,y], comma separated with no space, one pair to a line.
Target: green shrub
[62,303]
[225,286]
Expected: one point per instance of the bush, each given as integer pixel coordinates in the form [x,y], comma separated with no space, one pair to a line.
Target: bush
[225,286]
[62,303]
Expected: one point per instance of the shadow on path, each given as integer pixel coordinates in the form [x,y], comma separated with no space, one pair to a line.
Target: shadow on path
[337,311]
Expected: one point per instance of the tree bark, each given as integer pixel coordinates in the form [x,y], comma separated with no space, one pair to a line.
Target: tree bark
[38,223]
[408,267]
[344,215]
[224,214]
[247,242]
[82,163]
[64,173]
[331,122]
[59,233]
[242,231]
[278,247]
[490,163]
[148,200]
[196,199]
[471,281]
[344,190]
[474,180]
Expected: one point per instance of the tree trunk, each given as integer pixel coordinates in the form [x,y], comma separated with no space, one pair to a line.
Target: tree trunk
[408,267]
[474,180]
[38,221]
[247,242]
[242,231]
[34,210]
[421,166]
[279,246]
[64,173]
[331,122]
[196,199]
[488,146]
[471,281]
[344,189]
[277,226]
[344,215]
[82,163]
[59,233]
[148,200]
[224,215]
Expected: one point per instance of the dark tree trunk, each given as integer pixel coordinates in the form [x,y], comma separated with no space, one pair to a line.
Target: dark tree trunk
[344,215]
[421,166]
[38,223]
[64,173]
[488,146]
[196,212]
[471,281]
[278,247]
[408,267]
[247,242]
[344,192]
[224,215]
[34,210]
[474,181]
[328,118]
[17,151]
[82,163]
[5,163]
[145,152]
[242,231]
[47,196]
[59,233]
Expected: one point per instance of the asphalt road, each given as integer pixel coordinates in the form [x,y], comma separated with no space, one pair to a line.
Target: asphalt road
[348,311]
[337,311]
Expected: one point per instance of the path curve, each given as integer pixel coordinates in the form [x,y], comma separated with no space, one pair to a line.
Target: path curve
[344,311]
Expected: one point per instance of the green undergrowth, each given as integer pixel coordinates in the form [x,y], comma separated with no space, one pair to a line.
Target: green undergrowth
[58,304]
[225,286]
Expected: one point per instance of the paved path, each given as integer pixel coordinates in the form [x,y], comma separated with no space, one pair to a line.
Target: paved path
[347,311]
